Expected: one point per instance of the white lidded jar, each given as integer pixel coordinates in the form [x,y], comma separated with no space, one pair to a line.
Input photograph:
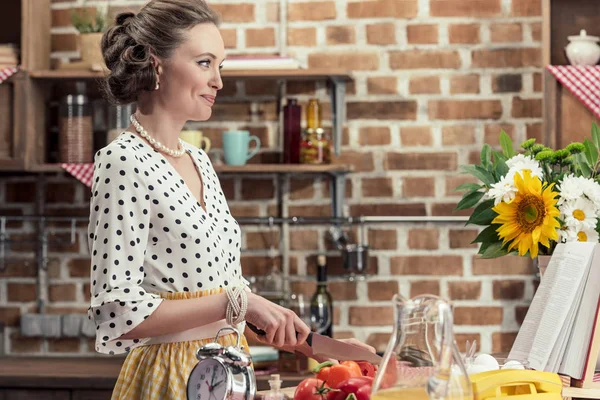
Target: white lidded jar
[583,49]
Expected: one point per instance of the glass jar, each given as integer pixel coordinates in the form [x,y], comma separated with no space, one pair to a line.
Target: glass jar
[315,147]
[313,114]
[76,129]
[118,120]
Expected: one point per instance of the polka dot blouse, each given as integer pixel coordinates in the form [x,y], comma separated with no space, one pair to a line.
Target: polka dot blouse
[148,234]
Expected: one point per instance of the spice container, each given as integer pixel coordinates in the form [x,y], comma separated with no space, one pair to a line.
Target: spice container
[315,147]
[313,114]
[76,131]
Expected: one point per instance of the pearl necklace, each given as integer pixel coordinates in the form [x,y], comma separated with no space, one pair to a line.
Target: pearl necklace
[155,143]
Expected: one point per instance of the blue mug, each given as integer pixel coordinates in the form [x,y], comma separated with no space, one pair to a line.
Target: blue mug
[236,146]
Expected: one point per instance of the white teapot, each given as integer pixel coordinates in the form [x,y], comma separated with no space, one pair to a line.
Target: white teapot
[583,49]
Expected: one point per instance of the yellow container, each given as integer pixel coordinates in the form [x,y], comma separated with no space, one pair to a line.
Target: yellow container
[516,384]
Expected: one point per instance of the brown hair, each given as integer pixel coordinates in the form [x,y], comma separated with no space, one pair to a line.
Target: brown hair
[158,29]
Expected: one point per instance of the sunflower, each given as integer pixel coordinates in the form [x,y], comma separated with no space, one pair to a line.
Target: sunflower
[531,218]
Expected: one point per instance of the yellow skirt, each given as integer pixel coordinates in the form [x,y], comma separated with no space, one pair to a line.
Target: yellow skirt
[161,371]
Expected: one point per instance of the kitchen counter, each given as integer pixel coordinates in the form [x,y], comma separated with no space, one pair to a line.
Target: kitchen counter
[90,378]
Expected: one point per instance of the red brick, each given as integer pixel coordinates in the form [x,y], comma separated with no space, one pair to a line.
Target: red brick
[465,109]
[21,292]
[335,266]
[505,83]
[340,34]
[457,135]
[465,8]
[464,34]
[359,61]
[416,136]
[10,316]
[537,82]
[262,239]
[304,37]
[418,288]
[507,58]
[424,85]
[506,265]
[374,136]
[63,345]
[377,187]
[502,341]
[382,239]
[478,315]
[382,85]
[229,40]
[462,238]
[383,9]
[312,211]
[446,161]
[508,290]
[452,182]
[260,37]
[302,189]
[382,110]
[535,131]
[64,42]
[258,265]
[257,189]
[304,239]
[25,345]
[311,11]
[526,108]
[343,291]
[239,12]
[461,340]
[371,316]
[447,209]
[423,239]
[418,59]
[426,265]
[362,162]
[414,209]
[86,292]
[520,313]
[244,210]
[526,8]
[464,84]
[536,32]
[506,32]
[79,267]
[382,290]
[381,34]
[422,34]
[418,187]
[491,133]
[62,17]
[464,290]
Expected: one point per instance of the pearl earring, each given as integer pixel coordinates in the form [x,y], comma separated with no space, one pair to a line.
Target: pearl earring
[157,86]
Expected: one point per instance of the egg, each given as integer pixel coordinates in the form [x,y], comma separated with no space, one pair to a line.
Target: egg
[475,369]
[488,361]
[513,364]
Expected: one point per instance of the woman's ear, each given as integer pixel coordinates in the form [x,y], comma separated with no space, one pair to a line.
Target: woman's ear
[156,64]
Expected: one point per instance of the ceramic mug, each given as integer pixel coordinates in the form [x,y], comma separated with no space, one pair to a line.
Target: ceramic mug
[236,147]
[196,138]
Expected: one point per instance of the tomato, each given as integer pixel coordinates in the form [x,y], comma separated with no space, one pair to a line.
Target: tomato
[311,389]
[367,368]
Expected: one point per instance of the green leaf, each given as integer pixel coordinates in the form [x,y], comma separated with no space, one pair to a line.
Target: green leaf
[498,156]
[479,173]
[483,214]
[591,152]
[469,200]
[494,250]
[486,156]
[488,235]
[596,134]
[506,144]
[581,161]
[468,187]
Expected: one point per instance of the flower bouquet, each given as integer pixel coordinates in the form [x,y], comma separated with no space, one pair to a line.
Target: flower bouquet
[529,201]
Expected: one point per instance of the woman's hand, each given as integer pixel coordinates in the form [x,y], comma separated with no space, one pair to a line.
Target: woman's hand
[280,324]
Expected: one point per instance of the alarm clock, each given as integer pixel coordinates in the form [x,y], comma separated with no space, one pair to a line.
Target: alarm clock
[222,373]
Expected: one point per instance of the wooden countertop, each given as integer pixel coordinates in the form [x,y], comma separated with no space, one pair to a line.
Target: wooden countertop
[80,373]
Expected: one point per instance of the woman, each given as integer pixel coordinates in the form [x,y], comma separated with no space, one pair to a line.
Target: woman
[166,272]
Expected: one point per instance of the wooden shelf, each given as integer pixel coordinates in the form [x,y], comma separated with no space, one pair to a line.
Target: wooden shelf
[291,74]
[580,393]
[248,169]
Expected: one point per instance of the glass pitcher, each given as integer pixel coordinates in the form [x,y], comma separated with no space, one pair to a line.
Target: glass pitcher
[422,361]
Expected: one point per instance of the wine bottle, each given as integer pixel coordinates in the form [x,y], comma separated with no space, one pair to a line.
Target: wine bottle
[321,303]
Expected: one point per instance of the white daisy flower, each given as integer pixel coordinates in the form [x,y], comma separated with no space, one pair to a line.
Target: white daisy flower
[573,187]
[578,235]
[579,214]
[520,163]
[505,190]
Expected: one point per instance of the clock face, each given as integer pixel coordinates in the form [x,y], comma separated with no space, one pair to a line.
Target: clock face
[208,381]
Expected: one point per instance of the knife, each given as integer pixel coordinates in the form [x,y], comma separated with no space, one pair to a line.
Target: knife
[325,346]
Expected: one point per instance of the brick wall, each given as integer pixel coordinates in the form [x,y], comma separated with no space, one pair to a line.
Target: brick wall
[434,80]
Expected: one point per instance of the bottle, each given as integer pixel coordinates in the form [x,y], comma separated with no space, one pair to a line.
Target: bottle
[275,385]
[313,114]
[292,113]
[321,303]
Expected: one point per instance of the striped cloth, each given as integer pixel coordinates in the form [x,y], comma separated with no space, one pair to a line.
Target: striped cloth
[82,172]
[6,73]
[582,81]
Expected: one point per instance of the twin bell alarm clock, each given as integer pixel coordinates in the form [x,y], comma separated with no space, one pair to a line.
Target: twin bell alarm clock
[222,373]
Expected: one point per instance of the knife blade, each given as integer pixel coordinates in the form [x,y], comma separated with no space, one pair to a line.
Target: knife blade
[317,344]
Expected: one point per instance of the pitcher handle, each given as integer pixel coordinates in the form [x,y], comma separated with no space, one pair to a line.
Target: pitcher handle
[255,149]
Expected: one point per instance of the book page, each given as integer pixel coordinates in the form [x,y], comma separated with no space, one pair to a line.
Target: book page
[552,303]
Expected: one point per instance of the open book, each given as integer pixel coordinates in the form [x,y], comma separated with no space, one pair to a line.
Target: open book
[557,333]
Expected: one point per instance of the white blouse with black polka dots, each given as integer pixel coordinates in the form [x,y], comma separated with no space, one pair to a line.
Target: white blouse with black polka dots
[148,234]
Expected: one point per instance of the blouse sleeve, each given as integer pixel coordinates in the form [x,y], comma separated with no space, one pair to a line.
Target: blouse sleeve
[117,238]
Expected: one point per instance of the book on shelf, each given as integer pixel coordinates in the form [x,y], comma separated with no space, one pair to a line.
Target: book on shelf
[260,62]
[560,332]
